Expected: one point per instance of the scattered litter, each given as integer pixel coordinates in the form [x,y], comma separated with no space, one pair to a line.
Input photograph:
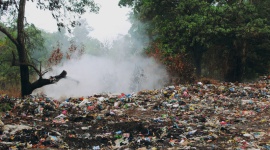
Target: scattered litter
[194,116]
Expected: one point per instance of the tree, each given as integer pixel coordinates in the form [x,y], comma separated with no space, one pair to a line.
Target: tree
[180,27]
[241,36]
[6,70]
[60,10]
[34,44]
[194,27]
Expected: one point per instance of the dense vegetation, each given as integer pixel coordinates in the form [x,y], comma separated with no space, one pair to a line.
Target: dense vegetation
[222,39]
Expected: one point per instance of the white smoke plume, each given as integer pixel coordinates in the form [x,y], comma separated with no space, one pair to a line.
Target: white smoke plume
[118,66]
[118,70]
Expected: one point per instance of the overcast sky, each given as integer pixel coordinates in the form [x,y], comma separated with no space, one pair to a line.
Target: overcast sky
[107,24]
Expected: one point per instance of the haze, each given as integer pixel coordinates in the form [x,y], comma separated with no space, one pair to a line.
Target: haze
[121,70]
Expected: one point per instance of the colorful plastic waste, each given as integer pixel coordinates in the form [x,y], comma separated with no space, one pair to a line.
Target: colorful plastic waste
[194,116]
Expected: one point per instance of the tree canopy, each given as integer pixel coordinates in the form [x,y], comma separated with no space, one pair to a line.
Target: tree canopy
[234,34]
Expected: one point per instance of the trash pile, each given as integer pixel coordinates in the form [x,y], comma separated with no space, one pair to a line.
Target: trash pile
[195,116]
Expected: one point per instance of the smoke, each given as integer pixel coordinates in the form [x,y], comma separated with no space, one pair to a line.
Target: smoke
[116,66]
[119,69]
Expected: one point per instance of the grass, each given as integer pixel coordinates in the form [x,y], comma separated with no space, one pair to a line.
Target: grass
[11,92]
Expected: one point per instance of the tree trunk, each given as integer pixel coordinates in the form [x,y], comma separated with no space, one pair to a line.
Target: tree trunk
[25,84]
[236,63]
[24,70]
[27,87]
[198,66]
[197,56]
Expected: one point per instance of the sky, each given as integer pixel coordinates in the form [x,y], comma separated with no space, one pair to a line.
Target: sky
[107,24]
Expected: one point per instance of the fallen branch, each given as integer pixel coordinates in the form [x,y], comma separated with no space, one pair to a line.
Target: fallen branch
[42,82]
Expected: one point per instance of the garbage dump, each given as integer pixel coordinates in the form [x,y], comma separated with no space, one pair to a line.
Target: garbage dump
[193,116]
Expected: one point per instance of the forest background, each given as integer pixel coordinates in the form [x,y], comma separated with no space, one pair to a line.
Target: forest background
[193,39]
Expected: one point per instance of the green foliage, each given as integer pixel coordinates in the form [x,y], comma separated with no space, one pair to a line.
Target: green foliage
[5,107]
[241,29]
[71,10]
[66,14]
[34,39]
[9,77]
[234,33]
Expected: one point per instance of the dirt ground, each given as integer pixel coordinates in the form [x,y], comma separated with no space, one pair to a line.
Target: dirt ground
[222,116]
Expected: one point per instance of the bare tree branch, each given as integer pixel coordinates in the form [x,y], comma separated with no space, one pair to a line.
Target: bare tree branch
[4,30]
[14,63]
[40,65]
[44,72]
[53,79]
[16,5]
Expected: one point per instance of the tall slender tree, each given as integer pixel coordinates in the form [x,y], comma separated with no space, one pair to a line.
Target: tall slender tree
[66,14]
